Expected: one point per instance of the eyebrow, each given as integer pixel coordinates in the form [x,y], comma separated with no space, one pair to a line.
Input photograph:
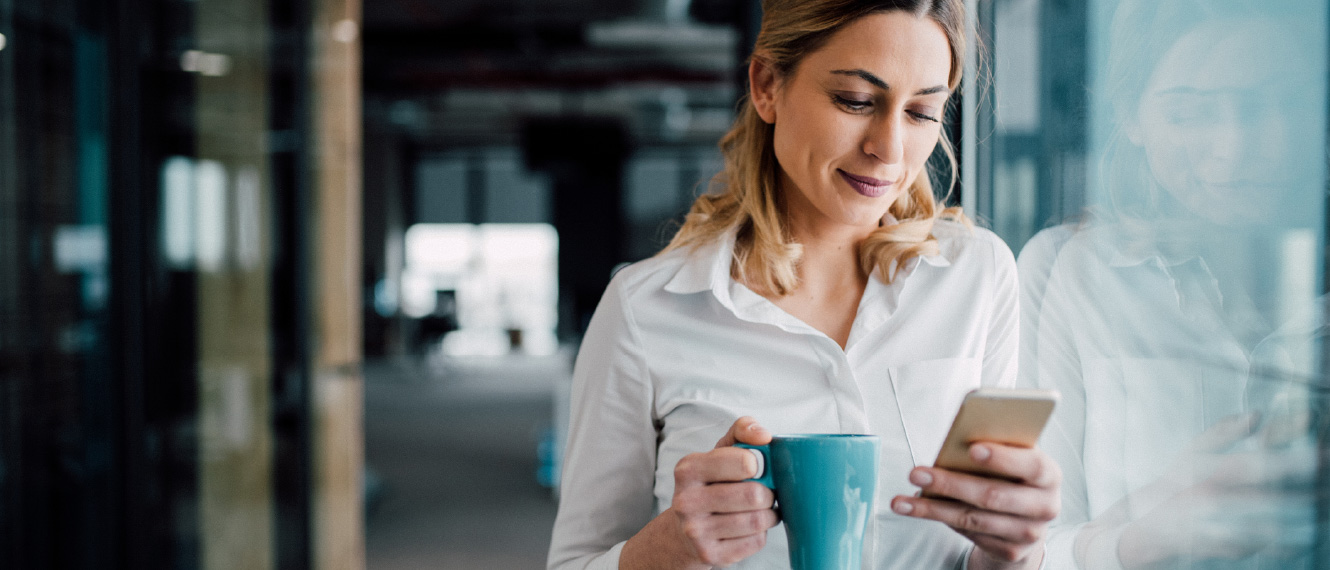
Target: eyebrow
[879,83]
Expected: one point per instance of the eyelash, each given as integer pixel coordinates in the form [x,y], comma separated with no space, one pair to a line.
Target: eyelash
[851,105]
[923,117]
[859,107]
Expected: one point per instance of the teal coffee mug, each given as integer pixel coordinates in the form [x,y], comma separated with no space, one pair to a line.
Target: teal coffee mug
[824,486]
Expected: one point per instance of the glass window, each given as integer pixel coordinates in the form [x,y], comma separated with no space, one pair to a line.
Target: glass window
[1160,167]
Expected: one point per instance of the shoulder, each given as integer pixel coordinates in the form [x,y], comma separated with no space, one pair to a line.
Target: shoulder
[1036,262]
[960,243]
[1076,247]
[1048,242]
[643,279]
[1038,254]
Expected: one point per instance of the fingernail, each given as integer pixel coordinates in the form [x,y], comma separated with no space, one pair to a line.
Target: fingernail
[980,453]
[755,464]
[921,478]
[902,507]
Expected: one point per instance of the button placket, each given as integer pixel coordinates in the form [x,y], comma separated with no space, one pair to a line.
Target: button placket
[853,417]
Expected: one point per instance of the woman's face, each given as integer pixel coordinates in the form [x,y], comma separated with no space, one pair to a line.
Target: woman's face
[856,121]
[1218,120]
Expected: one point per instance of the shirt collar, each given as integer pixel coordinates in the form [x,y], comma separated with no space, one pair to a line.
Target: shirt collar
[1131,255]
[1122,247]
[707,266]
[936,260]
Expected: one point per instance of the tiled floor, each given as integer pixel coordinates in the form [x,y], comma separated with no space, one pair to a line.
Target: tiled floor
[455,449]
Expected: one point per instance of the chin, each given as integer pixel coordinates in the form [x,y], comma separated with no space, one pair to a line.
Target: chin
[864,219]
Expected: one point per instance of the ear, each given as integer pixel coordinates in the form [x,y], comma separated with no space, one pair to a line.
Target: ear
[1132,128]
[762,86]
[1131,123]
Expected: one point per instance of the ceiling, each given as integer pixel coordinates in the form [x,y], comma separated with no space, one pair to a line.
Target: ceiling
[431,14]
[433,44]
[636,58]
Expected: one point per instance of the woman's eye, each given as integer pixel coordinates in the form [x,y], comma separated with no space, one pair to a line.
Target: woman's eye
[921,116]
[853,105]
[1195,114]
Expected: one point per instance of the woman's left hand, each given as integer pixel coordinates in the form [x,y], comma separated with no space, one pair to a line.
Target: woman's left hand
[1006,520]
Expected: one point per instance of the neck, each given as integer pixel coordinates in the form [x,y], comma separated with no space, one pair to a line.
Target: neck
[831,283]
[830,259]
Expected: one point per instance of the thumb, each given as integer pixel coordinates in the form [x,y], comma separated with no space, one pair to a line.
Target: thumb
[745,430]
[1225,433]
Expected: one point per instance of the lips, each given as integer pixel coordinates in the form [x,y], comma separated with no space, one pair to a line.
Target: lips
[866,186]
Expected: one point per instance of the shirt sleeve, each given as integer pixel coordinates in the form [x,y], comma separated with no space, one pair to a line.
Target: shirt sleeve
[1044,326]
[606,488]
[1003,336]
[1035,267]
[1058,367]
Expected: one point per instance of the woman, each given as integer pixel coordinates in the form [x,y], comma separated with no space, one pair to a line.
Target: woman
[1149,315]
[823,289]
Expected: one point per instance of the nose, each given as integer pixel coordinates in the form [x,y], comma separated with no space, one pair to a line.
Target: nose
[1229,139]
[1250,141]
[885,139]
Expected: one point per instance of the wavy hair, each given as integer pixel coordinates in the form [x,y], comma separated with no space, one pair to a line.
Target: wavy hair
[748,197]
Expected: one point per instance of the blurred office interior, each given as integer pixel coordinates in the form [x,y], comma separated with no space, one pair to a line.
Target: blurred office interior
[298,283]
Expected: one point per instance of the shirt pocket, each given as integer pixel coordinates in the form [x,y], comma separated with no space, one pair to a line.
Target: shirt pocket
[1142,413]
[928,394]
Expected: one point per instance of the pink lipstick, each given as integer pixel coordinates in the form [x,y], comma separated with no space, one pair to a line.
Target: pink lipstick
[870,187]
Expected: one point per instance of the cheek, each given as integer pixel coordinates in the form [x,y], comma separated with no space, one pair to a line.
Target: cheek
[919,147]
[785,144]
[808,140]
[1172,153]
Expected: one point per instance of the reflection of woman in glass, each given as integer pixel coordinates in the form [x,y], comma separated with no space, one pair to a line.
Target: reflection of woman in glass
[1146,315]
[823,289]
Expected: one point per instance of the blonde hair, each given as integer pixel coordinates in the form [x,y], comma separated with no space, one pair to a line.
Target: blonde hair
[765,257]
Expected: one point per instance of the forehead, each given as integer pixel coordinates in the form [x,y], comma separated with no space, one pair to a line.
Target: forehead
[1230,55]
[897,46]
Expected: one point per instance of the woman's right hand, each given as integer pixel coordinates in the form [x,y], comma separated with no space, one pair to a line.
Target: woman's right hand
[1216,502]
[716,517]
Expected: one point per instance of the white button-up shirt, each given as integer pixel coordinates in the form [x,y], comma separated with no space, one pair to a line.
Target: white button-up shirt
[1148,354]
[678,350]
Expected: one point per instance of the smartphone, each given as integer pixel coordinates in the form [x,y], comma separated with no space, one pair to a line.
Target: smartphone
[1000,415]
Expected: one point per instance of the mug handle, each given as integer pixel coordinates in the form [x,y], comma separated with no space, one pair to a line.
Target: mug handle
[763,455]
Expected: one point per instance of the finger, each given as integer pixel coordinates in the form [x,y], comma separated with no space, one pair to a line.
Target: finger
[1286,429]
[724,498]
[998,548]
[731,525]
[1253,514]
[989,494]
[1290,467]
[739,525]
[1226,432]
[969,518]
[723,464]
[745,430]
[1029,465]
[728,551]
